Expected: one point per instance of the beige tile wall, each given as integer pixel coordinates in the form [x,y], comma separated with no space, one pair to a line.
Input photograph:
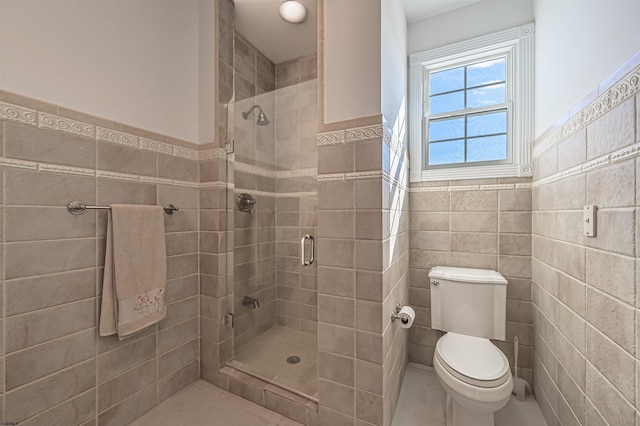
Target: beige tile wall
[56,368]
[296,203]
[472,224]
[585,289]
[362,249]
[395,277]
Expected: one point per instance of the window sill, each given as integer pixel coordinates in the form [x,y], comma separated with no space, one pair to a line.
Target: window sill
[474,172]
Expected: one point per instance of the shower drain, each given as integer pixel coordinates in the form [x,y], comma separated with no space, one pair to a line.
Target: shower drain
[293,359]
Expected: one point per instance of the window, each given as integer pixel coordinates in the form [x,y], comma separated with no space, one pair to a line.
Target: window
[471,108]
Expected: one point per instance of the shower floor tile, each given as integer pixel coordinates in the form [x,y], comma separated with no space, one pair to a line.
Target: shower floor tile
[202,404]
[422,403]
[266,357]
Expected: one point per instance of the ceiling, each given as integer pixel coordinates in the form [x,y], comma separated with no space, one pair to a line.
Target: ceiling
[280,41]
[259,22]
[417,10]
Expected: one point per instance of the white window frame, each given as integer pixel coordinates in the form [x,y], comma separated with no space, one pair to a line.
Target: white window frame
[518,44]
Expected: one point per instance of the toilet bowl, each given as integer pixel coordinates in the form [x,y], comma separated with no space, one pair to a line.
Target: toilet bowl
[476,376]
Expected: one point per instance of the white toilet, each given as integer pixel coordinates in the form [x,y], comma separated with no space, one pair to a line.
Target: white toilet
[470,305]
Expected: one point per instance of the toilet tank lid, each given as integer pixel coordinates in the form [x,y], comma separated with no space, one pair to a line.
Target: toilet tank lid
[469,275]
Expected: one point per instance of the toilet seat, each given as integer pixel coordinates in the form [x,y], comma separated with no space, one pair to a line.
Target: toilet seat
[473,360]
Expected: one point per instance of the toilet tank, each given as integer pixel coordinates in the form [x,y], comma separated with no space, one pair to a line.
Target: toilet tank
[467,301]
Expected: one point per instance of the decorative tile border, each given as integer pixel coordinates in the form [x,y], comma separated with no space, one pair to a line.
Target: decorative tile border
[273,174]
[49,121]
[64,169]
[624,89]
[623,154]
[116,175]
[364,133]
[331,138]
[150,179]
[161,147]
[356,134]
[454,188]
[213,154]
[363,175]
[215,185]
[17,113]
[117,137]
[55,168]
[18,164]
[259,193]
[191,154]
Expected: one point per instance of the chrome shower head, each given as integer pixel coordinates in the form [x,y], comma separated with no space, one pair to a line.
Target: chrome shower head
[262,118]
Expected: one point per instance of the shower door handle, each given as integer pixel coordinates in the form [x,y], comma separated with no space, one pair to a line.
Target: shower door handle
[303,254]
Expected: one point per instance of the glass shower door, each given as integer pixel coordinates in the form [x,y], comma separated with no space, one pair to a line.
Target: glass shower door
[272,201]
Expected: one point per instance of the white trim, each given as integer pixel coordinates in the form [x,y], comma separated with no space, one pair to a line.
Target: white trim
[520,40]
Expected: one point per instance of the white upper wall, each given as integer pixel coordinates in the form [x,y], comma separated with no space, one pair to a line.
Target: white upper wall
[206,71]
[475,20]
[352,74]
[579,43]
[132,61]
[394,64]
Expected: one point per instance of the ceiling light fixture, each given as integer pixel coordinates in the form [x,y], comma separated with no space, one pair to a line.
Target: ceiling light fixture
[293,12]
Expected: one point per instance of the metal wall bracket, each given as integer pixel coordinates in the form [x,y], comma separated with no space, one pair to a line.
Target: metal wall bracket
[230,320]
[230,147]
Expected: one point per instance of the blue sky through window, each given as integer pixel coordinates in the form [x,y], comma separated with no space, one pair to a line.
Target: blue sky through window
[458,134]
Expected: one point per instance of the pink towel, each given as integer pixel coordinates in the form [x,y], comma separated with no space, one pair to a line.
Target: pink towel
[135,270]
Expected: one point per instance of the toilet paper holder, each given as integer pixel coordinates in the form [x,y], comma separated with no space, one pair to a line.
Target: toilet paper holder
[395,316]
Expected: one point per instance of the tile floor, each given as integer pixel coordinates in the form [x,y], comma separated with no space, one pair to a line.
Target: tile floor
[421,403]
[265,356]
[202,404]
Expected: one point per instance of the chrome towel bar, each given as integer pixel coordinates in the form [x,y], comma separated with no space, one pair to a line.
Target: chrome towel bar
[78,207]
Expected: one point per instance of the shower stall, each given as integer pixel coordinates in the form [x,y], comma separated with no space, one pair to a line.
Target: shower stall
[271,216]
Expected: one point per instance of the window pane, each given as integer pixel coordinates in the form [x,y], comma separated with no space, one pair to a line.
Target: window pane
[446,81]
[488,72]
[487,149]
[446,103]
[487,124]
[446,152]
[452,128]
[485,96]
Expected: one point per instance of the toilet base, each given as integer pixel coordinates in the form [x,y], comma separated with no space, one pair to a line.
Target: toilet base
[457,415]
